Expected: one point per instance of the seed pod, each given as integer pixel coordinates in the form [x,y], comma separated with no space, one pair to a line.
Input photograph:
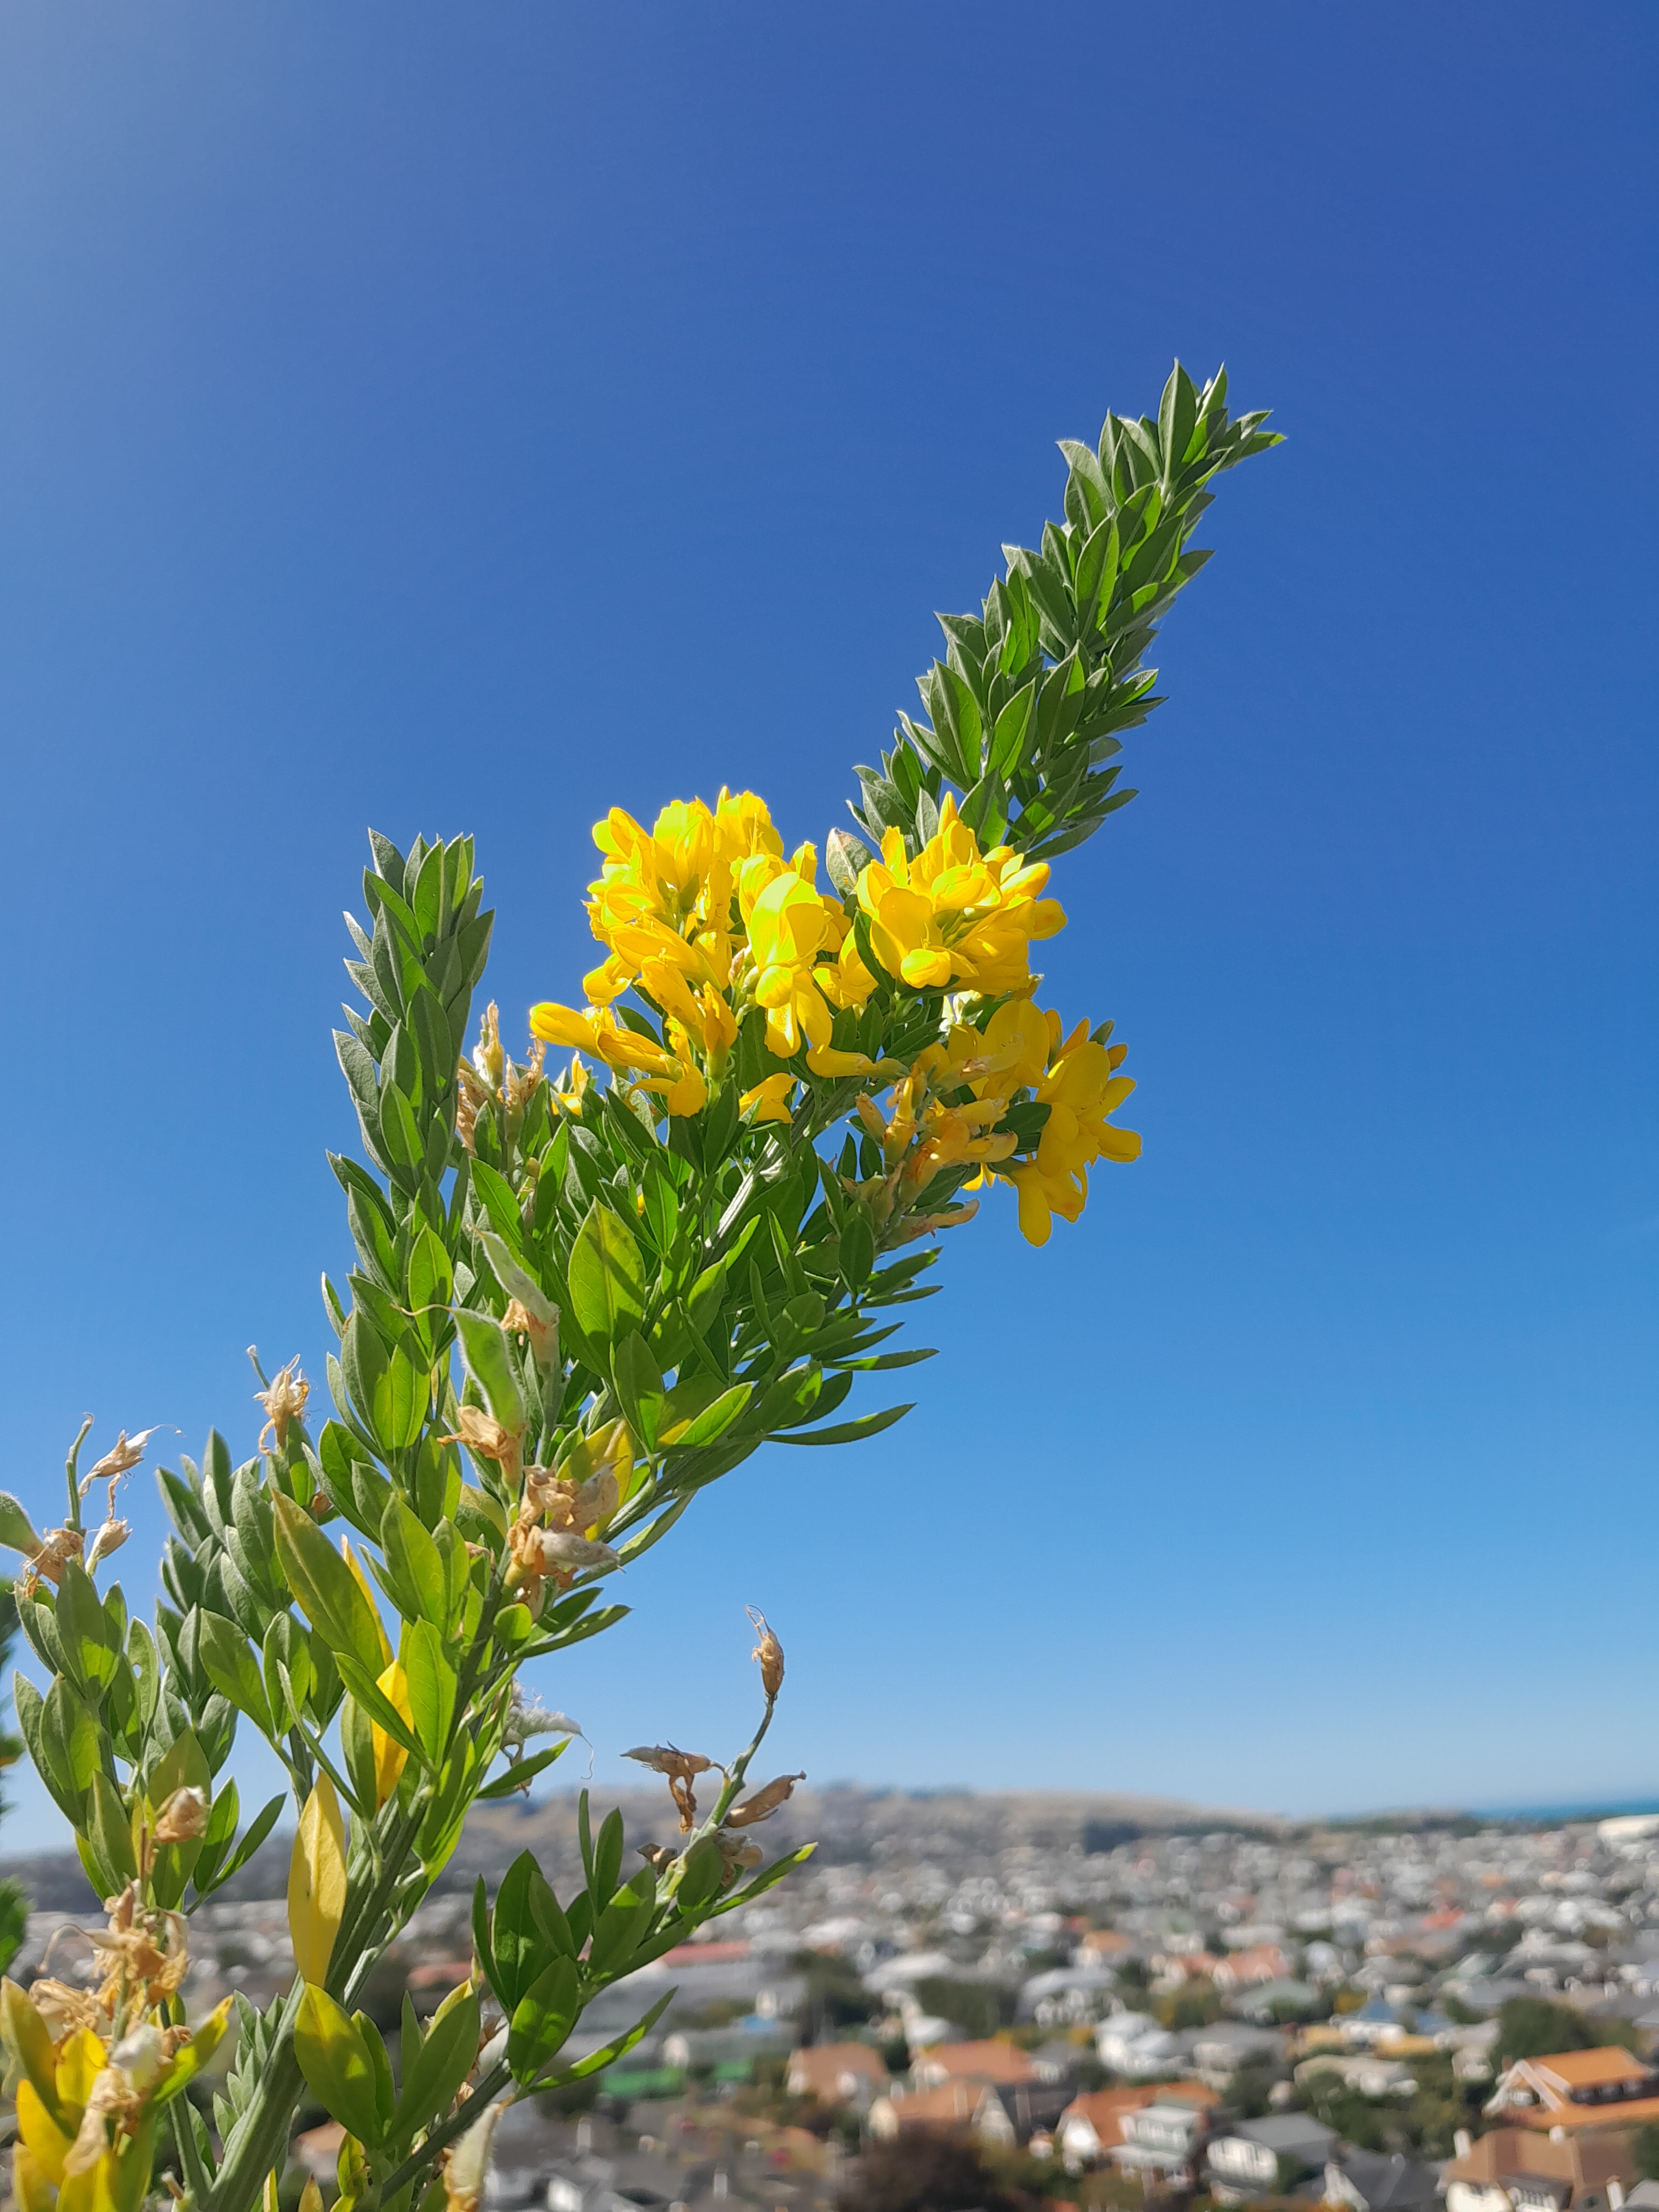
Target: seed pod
[764,1802]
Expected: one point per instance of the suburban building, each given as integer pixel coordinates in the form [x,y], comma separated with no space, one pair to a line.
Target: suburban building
[1219,2052]
[1133,2045]
[1523,2170]
[1371,2181]
[1162,2143]
[838,2074]
[1256,1962]
[1091,2126]
[1577,2089]
[1262,2158]
[986,2062]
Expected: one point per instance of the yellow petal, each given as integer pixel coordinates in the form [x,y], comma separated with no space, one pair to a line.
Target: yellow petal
[317,1882]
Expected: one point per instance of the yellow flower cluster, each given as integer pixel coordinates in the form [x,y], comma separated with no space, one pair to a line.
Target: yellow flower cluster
[931,1124]
[705,915]
[956,918]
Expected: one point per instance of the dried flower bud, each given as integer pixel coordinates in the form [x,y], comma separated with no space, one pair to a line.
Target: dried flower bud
[483,1436]
[284,1400]
[663,1759]
[657,1856]
[111,1535]
[738,1858]
[123,1456]
[487,1054]
[467,2162]
[767,1655]
[763,1804]
[183,1818]
[563,1547]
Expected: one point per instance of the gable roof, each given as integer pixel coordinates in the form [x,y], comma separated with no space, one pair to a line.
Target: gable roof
[980,2062]
[1103,2110]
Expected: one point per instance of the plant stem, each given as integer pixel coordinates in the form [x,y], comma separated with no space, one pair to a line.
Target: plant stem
[446,2131]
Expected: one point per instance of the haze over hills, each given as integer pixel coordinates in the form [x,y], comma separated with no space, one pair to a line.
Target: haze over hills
[848,1823]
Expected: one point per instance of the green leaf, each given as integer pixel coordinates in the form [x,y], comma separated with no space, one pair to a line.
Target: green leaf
[849,1432]
[432,1687]
[335,2063]
[437,2070]
[233,1672]
[69,1736]
[489,1363]
[515,1777]
[16,1530]
[606,1277]
[528,1931]
[639,1386]
[414,1566]
[401,1396]
[542,2019]
[597,2061]
[431,1282]
[327,1591]
[83,1630]
[112,1831]
[263,1822]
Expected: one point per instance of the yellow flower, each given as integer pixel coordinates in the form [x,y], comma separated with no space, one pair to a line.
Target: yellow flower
[954,915]
[317,1882]
[769,1099]
[1081,1089]
[787,925]
[390,1756]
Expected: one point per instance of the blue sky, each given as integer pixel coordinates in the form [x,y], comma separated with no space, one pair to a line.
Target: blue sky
[468,419]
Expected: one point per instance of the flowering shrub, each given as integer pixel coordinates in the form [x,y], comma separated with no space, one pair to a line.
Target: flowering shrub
[579,1298]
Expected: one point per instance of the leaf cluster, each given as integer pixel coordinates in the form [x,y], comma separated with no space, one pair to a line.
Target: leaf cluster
[1026,712]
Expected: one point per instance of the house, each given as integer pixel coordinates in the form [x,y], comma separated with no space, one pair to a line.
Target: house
[1575,2089]
[1010,2113]
[1259,2157]
[1161,2143]
[1256,1962]
[1104,1946]
[987,2063]
[1219,2052]
[1002,2112]
[1520,2170]
[838,2074]
[1091,2125]
[1372,2181]
[1132,2044]
[1365,2071]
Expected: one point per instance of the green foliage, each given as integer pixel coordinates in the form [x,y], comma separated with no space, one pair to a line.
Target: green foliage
[1531,2027]
[1645,2148]
[1027,711]
[978,2008]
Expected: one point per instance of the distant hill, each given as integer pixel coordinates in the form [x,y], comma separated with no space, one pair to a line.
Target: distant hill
[850,1825]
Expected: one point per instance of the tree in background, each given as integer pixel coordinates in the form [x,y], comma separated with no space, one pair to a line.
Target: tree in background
[924,2171]
[578,1298]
